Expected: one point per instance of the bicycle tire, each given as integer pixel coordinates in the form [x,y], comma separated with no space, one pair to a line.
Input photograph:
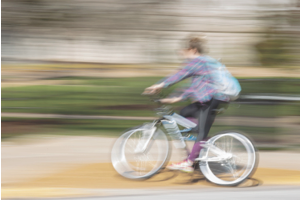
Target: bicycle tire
[215,171]
[121,159]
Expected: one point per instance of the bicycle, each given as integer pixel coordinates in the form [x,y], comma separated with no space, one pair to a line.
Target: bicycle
[226,159]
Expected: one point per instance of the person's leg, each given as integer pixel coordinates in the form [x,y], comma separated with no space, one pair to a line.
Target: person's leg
[189,111]
[206,119]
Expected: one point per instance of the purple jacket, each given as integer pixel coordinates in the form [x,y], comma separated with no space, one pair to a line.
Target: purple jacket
[202,88]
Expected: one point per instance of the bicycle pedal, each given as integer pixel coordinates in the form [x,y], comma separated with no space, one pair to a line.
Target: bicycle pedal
[189,138]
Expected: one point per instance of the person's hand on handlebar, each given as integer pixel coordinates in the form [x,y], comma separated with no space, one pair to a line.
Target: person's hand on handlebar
[153,89]
[170,100]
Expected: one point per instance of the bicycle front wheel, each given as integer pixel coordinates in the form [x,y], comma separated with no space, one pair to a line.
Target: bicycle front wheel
[239,163]
[134,164]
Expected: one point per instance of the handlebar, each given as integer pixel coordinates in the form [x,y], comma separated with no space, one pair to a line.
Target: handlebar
[155,97]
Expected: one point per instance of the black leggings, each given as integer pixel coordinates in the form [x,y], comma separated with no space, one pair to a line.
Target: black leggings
[204,113]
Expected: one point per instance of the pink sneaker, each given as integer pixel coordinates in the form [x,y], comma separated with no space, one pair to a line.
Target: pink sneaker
[185,166]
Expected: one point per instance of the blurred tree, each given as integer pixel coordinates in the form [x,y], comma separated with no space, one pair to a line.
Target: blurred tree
[274,50]
[280,44]
[111,23]
[80,14]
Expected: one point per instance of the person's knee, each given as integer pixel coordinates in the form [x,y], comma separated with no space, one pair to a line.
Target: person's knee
[183,113]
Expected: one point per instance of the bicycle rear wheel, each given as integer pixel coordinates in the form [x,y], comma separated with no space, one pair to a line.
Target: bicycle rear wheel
[132,164]
[239,164]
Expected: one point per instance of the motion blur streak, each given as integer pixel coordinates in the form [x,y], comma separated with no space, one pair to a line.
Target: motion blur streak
[146,31]
[73,72]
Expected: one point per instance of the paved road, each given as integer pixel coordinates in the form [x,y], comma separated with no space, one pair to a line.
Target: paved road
[28,158]
[257,193]
[73,162]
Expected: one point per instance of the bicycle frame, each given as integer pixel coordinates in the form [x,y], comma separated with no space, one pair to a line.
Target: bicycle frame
[170,123]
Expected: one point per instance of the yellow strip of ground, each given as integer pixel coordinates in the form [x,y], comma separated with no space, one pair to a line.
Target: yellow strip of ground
[103,176]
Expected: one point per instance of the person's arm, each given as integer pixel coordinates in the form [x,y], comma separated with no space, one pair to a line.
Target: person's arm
[184,73]
[154,88]
[171,100]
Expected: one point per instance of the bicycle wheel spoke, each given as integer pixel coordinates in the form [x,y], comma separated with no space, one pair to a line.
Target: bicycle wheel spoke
[132,144]
[231,170]
[236,164]
[137,164]
[230,144]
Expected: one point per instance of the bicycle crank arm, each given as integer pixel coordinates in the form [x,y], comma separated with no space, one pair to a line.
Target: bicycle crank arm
[215,159]
[220,154]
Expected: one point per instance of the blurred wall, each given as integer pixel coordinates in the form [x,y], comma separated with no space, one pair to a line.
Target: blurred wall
[141,31]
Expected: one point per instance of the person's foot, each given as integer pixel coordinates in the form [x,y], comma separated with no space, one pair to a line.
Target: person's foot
[190,138]
[188,169]
[185,166]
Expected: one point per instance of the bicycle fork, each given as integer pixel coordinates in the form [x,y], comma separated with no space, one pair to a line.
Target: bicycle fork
[148,132]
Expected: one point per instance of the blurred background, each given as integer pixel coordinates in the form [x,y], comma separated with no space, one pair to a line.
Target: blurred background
[78,67]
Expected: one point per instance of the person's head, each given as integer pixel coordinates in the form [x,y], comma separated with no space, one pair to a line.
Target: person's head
[194,47]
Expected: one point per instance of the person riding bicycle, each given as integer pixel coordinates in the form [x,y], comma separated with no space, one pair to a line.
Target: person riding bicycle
[204,92]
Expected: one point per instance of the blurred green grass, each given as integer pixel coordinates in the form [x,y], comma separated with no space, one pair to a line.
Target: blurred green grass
[122,97]
[109,128]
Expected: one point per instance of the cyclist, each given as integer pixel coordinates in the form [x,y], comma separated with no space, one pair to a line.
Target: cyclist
[203,92]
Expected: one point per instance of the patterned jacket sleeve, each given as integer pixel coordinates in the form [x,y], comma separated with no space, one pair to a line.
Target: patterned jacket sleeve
[184,73]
